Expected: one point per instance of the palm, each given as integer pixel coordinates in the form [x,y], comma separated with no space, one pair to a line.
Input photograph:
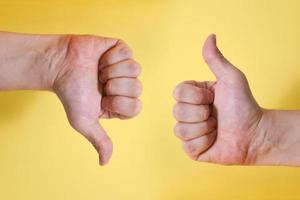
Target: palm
[237,115]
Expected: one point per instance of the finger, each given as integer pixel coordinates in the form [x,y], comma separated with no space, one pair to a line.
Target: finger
[117,53]
[125,106]
[102,143]
[127,68]
[192,94]
[219,65]
[188,131]
[110,115]
[190,113]
[100,44]
[129,87]
[195,147]
[93,131]
[202,84]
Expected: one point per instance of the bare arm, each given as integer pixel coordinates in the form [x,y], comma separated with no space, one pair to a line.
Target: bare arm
[94,77]
[30,61]
[278,141]
[220,121]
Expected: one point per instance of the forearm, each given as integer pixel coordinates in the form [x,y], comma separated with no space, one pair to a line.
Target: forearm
[278,142]
[30,61]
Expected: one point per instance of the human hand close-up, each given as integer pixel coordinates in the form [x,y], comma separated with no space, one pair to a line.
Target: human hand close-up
[94,77]
[220,121]
[97,78]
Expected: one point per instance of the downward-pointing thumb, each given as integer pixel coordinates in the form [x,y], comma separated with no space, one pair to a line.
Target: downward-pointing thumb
[94,132]
[102,144]
[218,64]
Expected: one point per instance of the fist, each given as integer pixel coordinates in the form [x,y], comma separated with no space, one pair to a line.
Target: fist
[98,79]
[217,120]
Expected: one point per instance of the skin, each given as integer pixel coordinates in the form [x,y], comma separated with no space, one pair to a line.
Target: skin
[94,77]
[220,121]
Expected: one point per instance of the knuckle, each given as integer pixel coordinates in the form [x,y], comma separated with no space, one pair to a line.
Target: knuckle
[206,126]
[103,75]
[181,131]
[138,87]
[115,103]
[212,122]
[135,67]
[188,93]
[201,95]
[136,107]
[182,87]
[189,148]
[109,86]
[125,50]
[177,91]
[178,130]
[237,76]
[181,91]
[177,110]
[204,95]
[205,112]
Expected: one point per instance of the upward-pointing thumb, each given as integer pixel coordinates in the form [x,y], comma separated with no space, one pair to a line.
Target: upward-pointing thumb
[218,64]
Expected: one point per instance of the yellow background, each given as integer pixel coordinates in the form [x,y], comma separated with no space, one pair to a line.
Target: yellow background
[41,157]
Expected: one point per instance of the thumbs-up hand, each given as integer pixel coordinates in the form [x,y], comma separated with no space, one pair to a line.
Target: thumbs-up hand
[218,121]
[97,79]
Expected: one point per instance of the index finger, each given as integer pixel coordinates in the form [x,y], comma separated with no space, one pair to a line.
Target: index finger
[190,93]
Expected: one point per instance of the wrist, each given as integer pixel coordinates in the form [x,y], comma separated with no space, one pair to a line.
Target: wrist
[54,56]
[30,61]
[260,144]
[277,139]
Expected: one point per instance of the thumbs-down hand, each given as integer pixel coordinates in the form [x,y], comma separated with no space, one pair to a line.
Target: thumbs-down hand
[98,79]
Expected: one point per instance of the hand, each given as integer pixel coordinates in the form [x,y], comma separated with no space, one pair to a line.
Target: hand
[218,121]
[98,79]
